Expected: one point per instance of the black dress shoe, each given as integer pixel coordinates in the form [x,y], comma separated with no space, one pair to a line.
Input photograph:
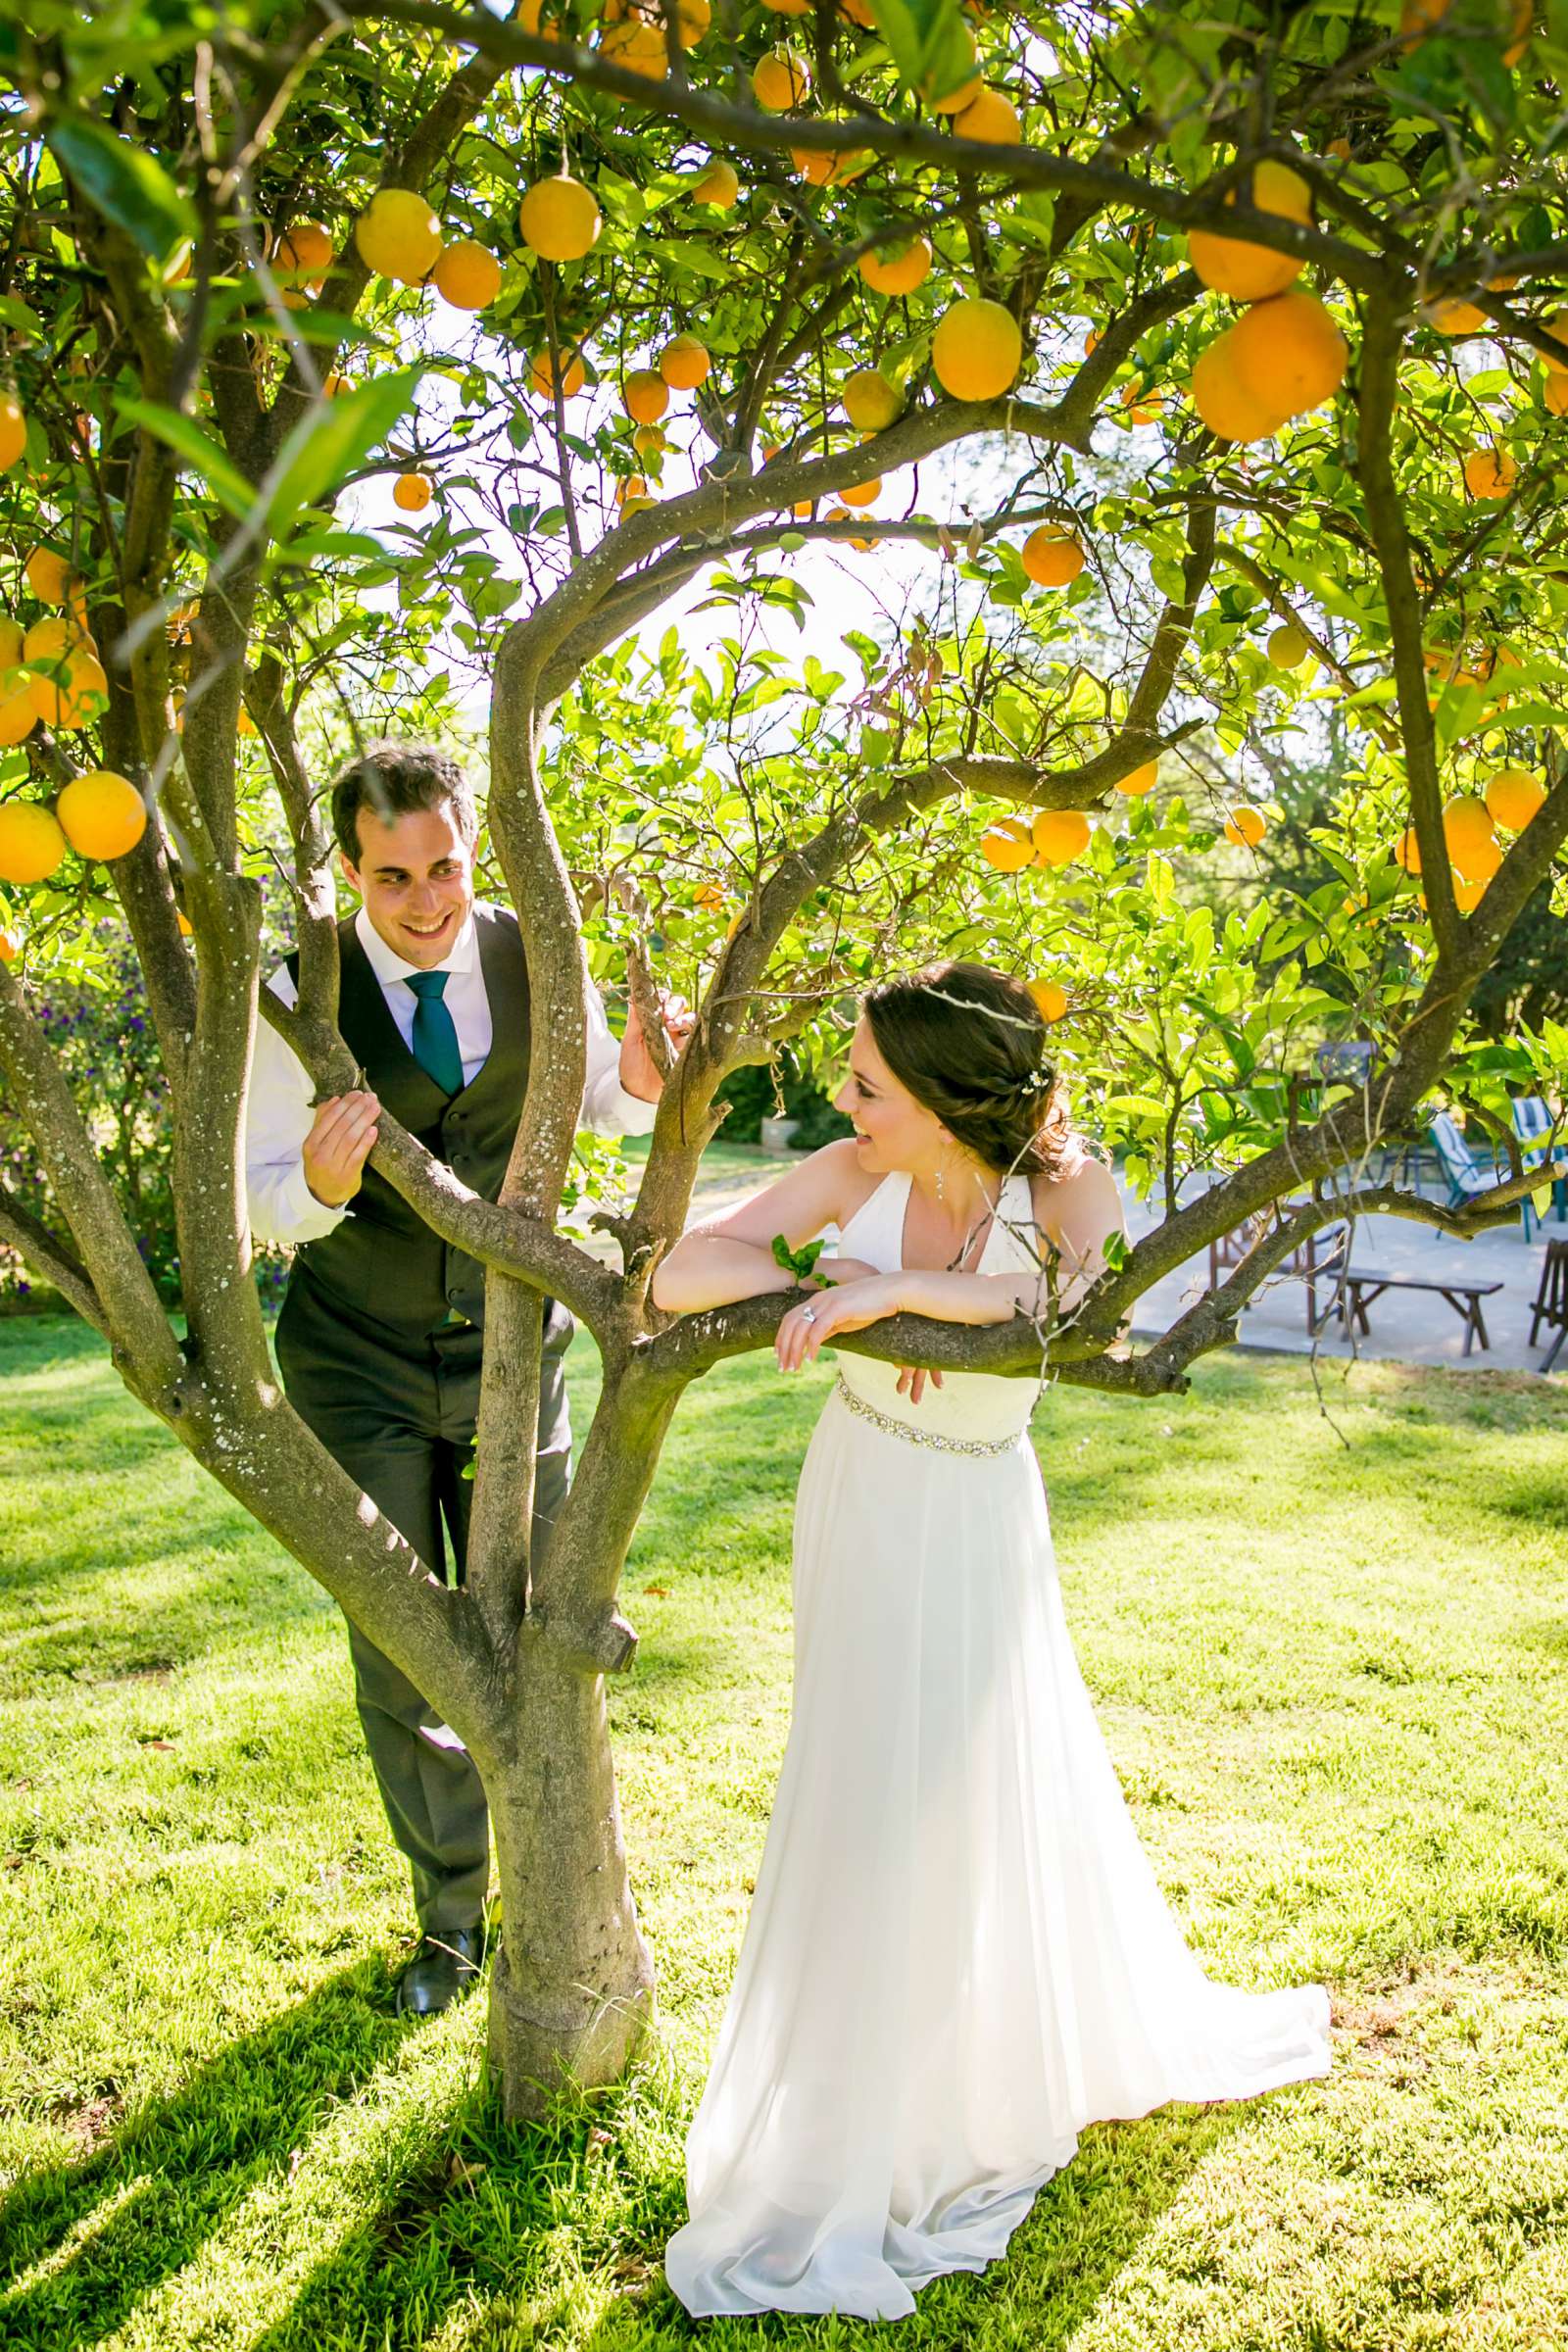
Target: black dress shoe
[442,1969]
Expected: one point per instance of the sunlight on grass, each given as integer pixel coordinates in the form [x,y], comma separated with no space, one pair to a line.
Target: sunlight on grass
[1331,1669]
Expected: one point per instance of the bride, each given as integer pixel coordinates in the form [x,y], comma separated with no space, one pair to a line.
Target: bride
[958,1954]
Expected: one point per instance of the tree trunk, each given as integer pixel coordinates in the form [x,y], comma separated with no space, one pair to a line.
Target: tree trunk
[571,1993]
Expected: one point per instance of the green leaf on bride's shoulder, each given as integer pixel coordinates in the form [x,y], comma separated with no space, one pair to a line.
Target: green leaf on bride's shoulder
[801,1263]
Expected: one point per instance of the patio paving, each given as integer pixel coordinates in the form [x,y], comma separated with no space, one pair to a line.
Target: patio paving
[1412,1327]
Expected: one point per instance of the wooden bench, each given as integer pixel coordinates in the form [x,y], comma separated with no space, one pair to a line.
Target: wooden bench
[1359,1288]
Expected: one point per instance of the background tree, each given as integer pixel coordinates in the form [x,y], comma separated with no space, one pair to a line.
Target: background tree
[288,256]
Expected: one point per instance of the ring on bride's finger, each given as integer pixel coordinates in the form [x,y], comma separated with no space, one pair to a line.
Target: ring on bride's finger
[807,1315]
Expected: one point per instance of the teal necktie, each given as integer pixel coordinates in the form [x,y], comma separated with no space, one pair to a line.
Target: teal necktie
[435,1033]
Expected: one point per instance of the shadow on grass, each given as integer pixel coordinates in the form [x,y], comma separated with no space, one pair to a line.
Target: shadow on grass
[82,2244]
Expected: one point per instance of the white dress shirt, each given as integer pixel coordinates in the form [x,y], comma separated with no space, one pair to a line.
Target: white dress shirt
[282,1208]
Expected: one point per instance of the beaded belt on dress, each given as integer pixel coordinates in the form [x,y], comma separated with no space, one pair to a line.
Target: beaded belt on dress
[921,1437]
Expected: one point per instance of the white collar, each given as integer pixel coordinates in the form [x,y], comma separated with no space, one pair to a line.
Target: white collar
[388,965]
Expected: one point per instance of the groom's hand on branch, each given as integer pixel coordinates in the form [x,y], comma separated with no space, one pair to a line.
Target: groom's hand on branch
[638,1073]
[341,1140]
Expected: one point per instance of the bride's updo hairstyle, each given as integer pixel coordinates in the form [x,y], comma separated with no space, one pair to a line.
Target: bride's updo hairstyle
[972,1046]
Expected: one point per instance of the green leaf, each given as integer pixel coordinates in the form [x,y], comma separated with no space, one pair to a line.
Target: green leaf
[930,46]
[184,437]
[329,441]
[126,184]
[801,1263]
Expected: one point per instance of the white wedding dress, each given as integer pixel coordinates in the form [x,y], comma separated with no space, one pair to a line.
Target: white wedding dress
[958,1954]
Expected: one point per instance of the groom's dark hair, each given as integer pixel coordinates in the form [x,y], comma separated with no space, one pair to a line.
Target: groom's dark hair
[394,779]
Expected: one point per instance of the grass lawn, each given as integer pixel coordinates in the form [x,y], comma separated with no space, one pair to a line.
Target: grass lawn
[1330,1654]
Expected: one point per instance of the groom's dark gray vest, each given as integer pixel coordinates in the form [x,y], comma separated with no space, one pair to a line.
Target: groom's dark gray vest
[383,1267]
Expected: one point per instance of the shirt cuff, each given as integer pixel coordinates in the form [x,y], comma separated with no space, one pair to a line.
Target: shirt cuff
[302,1216]
[616,1112]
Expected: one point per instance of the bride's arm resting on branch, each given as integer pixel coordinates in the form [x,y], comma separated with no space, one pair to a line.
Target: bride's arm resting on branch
[1077,1215]
[731,1256]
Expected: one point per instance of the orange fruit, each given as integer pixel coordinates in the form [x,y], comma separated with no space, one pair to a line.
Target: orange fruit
[560,219]
[1556,392]
[639,46]
[398,235]
[871,402]
[990,118]
[50,576]
[718,185]
[1143,779]
[1489,473]
[645,395]
[13,430]
[102,814]
[305,250]
[71,691]
[1249,273]
[13,638]
[1059,835]
[54,638]
[649,441]
[789,8]
[1452,316]
[977,349]
[1051,557]
[413,492]
[863,494]
[1246,827]
[31,844]
[781,81]
[541,373]
[1230,412]
[957,102]
[1340,149]
[1287,354]
[691,19]
[1050,999]
[824,167]
[1407,852]
[1472,841]
[1143,404]
[1467,896]
[467,276]
[1513,797]
[632,486]
[1556,328]
[1008,846]
[10,945]
[898,272]
[1288,647]
[684,364]
[19,706]
[1090,340]
[335,384]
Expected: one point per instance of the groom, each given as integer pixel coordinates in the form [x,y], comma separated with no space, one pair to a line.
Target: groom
[381,1339]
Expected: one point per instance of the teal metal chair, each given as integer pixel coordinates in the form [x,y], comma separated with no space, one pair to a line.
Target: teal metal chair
[1461,1170]
[1531,1124]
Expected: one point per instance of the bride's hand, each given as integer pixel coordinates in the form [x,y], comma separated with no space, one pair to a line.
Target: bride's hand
[916,1376]
[849,1308]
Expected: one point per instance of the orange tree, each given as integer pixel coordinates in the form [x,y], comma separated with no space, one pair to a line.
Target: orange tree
[1243,321]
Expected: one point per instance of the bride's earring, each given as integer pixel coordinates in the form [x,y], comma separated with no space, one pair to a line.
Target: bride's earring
[942,1190]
